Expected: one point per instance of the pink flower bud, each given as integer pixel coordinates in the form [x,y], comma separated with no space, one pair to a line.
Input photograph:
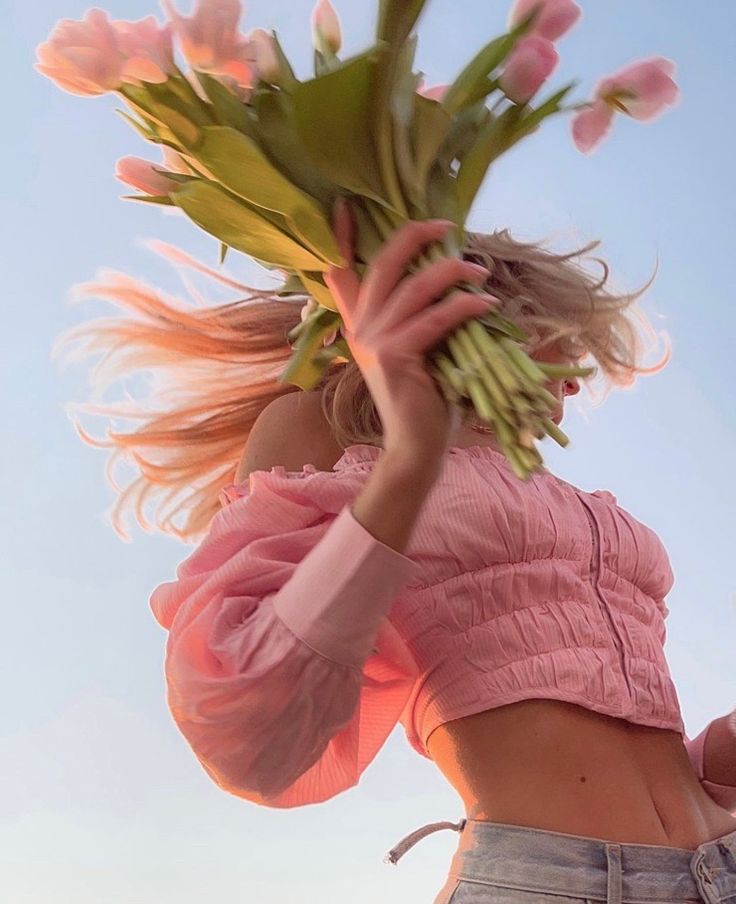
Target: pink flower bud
[266,59]
[529,65]
[554,19]
[325,23]
[141,174]
[82,58]
[437,92]
[211,42]
[650,82]
[642,90]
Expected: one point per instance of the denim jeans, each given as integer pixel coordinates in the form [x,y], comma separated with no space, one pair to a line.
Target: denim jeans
[496,863]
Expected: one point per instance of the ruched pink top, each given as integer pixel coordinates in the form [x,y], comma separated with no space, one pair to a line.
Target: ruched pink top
[297,641]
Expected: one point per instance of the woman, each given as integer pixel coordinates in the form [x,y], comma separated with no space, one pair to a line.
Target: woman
[515,628]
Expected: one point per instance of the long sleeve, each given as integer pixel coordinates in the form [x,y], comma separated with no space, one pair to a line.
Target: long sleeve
[283,671]
[723,795]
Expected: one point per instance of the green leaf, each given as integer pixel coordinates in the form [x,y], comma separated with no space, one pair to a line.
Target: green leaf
[303,370]
[150,199]
[442,195]
[279,139]
[334,120]
[474,77]
[242,227]
[223,252]
[318,62]
[325,61]
[552,105]
[480,91]
[369,238]
[177,94]
[238,163]
[397,18]
[309,359]
[431,126]
[167,117]
[292,285]
[386,77]
[403,101]
[183,129]
[287,78]
[143,130]
[316,287]
[174,177]
[493,139]
[228,108]
[464,131]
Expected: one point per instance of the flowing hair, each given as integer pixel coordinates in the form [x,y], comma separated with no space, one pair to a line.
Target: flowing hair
[214,368]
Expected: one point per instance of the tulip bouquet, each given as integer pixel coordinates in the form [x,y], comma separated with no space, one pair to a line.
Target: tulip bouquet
[257,158]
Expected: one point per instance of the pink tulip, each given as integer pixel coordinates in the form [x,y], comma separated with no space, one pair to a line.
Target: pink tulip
[82,57]
[174,161]
[211,42]
[141,174]
[147,49]
[325,23]
[554,19]
[437,92]
[529,65]
[266,58]
[642,90]
[95,56]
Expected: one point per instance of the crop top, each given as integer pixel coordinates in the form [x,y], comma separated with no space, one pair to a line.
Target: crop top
[297,641]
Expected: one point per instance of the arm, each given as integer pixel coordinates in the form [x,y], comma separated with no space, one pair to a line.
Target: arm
[720,751]
[713,756]
[362,554]
[272,622]
[351,578]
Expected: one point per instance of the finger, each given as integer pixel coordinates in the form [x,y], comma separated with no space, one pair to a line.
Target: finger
[389,265]
[423,331]
[345,287]
[420,289]
[344,229]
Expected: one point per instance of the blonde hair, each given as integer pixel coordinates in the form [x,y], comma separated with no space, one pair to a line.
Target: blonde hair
[217,367]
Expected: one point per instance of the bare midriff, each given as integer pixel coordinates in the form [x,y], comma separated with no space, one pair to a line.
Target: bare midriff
[554,765]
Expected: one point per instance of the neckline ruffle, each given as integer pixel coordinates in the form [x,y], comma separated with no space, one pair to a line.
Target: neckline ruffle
[367,452]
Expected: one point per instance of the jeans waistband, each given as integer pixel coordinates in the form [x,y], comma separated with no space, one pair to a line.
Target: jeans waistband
[531,859]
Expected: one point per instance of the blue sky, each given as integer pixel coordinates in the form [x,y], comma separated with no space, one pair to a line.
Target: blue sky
[103,802]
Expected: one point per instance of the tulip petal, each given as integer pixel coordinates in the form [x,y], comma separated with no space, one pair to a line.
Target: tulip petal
[554,19]
[590,127]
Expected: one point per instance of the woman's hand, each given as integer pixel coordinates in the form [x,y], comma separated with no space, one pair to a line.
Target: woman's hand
[390,320]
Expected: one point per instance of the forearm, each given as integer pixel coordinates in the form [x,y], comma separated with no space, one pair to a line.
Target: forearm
[719,755]
[390,503]
[346,585]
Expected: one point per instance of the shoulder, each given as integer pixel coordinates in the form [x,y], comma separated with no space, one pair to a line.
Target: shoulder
[290,431]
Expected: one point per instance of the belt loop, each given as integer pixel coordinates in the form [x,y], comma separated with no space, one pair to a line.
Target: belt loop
[398,850]
[614,892]
[703,878]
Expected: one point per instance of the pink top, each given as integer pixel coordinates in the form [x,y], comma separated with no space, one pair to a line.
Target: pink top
[297,641]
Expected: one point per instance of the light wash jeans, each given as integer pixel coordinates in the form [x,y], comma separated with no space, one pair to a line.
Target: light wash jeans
[496,863]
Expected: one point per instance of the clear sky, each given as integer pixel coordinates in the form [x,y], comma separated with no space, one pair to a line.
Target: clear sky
[102,800]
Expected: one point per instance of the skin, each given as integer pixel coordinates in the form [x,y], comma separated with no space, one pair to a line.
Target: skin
[558,766]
